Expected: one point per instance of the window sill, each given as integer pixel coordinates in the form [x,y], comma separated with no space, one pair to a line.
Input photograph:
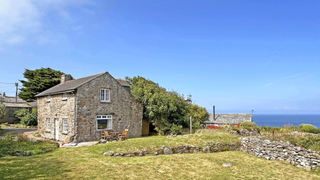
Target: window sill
[105,101]
[64,99]
[65,133]
[103,129]
[47,131]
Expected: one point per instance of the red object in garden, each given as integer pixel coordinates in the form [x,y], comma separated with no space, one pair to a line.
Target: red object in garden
[214,127]
[238,125]
[62,144]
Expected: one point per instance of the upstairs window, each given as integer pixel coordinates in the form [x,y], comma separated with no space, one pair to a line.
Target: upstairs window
[65,125]
[48,98]
[105,95]
[104,122]
[64,97]
[48,124]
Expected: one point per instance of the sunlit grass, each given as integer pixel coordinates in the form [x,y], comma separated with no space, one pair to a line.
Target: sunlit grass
[88,163]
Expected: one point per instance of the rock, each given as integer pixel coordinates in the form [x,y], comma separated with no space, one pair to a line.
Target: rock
[195,151]
[227,165]
[117,154]
[157,153]
[141,153]
[103,141]
[29,153]
[24,153]
[308,168]
[206,149]
[18,154]
[167,150]
[129,155]
[267,158]
[109,153]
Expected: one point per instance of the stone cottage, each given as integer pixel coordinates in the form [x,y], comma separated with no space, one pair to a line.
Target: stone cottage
[77,110]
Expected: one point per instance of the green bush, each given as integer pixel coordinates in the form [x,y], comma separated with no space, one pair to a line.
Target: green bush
[27,118]
[265,128]
[248,123]
[247,128]
[309,128]
[275,129]
[311,143]
[175,129]
[236,129]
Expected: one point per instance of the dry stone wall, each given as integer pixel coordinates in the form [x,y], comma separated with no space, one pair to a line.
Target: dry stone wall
[126,111]
[283,151]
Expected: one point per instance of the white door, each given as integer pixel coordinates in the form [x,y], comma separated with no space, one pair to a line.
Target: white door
[56,122]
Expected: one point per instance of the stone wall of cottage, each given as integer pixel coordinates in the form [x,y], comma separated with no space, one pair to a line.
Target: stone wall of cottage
[56,110]
[125,110]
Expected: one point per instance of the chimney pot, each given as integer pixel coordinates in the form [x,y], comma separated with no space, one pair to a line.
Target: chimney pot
[65,78]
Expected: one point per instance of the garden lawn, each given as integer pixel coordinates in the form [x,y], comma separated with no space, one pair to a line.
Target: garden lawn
[88,163]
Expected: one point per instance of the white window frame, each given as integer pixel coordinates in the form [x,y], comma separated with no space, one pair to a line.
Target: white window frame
[103,95]
[48,98]
[48,124]
[64,96]
[104,117]
[64,125]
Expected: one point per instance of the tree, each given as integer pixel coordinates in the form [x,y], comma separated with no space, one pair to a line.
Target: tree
[38,80]
[2,110]
[199,115]
[163,109]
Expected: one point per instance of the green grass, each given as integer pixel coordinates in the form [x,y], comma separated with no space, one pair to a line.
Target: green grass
[88,163]
[8,146]
[153,143]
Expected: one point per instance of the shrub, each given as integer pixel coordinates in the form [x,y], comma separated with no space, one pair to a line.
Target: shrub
[311,143]
[176,129]
[309,128]
[236,129]
[247,128]
[27,118]
[248,123]
[275,129]
[265,128]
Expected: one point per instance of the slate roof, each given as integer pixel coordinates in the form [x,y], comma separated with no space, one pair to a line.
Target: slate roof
[123,82]
[74,84]
[68,86]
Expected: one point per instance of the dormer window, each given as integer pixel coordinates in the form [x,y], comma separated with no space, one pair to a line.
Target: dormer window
[64,97]
[48,98]
[105,95]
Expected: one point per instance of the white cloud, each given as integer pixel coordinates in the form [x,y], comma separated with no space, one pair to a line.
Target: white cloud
[22,20]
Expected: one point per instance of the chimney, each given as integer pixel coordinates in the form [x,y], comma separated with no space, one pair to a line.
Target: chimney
[65,78]
[214,113]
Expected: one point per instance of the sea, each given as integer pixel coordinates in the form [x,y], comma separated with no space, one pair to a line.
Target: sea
[277,120]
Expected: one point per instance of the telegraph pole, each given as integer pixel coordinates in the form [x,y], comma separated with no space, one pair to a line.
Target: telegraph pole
[16,92]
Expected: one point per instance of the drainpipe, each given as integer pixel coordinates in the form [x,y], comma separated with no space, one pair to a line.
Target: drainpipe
[75,117]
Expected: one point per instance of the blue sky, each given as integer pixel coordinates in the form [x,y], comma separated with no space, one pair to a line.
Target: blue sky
[236,55]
